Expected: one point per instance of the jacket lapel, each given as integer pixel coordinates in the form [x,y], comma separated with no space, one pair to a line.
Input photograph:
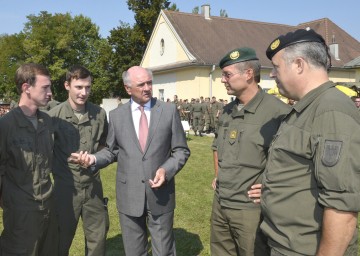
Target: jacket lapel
[130,125]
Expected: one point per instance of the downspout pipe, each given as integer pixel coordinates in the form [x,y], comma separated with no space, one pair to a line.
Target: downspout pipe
[210,78]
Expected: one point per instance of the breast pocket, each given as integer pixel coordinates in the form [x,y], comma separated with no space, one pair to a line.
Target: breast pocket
[22,149]
[294,140]
[252,148]
[86,138]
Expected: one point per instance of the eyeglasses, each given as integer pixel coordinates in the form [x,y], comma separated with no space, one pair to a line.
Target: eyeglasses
[227,75]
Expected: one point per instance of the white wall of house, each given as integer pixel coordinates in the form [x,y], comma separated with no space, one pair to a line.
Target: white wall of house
[165,83]
[164,47]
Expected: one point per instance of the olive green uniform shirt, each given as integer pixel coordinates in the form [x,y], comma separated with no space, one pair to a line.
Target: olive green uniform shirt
[313,163]
[198,112]
[207,108]
[216,106]
[26,156]
[242,143]
[198,108]
[74,135]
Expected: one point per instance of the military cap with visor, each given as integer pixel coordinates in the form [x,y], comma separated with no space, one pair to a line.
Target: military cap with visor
[238,55]
[298,36]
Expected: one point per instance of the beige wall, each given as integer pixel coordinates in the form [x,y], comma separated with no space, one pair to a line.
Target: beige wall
[173,51]
[357,75]
[194,82]
[342,76]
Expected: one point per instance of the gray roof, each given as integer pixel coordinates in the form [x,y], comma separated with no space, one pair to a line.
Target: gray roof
[354,63]
[208,40]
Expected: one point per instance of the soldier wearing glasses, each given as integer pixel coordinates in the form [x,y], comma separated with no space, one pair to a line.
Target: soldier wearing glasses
[246,128]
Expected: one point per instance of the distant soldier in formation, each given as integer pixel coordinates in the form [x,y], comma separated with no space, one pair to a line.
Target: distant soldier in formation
[207,108]
[216,109]
[198,114]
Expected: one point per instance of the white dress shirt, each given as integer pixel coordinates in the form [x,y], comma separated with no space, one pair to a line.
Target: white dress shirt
[136,113]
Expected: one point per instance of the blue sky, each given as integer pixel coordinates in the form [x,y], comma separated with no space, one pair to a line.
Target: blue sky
[107,14]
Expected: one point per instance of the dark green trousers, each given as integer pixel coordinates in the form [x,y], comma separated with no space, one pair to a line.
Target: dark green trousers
[236,232]
[85,202]
[29,232]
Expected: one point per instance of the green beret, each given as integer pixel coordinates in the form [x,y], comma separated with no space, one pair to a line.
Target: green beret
[238,55]
[298,36]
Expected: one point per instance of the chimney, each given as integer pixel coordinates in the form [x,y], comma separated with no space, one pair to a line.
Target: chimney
[334,48]
[205,10]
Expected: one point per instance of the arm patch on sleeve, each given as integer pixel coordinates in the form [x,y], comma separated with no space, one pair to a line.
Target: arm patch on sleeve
[331,153]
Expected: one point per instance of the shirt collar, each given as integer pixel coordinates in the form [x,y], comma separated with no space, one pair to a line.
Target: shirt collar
[135,106]
[311,96]
[255,102]
[251,106]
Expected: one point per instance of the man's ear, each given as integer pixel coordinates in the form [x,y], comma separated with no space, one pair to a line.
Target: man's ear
[249,73]
[128,89]
[300,64]
[25,88]
[67,85]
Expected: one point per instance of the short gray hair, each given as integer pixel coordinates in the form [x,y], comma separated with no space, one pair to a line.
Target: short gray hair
[126,76]
[316,54]
[251,64]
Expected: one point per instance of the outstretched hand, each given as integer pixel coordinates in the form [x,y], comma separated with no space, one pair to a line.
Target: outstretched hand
[82,158]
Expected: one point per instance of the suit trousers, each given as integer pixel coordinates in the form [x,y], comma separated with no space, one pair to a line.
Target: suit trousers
[236,232]
[135,237]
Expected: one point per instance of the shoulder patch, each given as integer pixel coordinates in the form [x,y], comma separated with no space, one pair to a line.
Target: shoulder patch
[331,153]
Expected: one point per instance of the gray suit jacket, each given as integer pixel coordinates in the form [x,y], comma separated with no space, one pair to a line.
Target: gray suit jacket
[166,147]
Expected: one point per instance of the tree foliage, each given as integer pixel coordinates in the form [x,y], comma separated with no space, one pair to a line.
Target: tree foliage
[223,13]
[129,42]
[59,41]
[146,14]
[195,10]
[11,54]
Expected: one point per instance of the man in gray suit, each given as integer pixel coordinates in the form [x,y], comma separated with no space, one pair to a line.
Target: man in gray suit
[145,186]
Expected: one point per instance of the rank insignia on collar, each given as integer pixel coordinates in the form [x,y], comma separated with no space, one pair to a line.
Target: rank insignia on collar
[233,134]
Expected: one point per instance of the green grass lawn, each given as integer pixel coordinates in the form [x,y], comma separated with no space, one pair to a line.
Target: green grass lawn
[193,205]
